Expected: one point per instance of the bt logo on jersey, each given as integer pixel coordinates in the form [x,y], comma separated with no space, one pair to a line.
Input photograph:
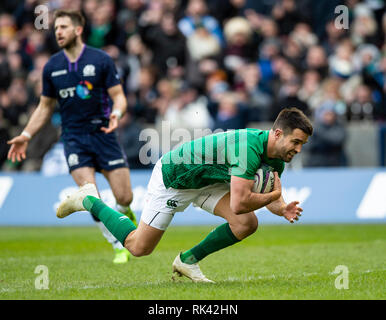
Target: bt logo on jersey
[68,92]
[83,90]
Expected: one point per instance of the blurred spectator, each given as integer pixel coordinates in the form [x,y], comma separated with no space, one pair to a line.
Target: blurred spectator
[5,72]
[223,10]
[341,61]
[167,92]
[311,90]
[203,56]
[188,110]
[244,61]
[288,97]
[196,15]
[303,34]
[24,12]
[331,95]
[333,37]
[202,44]
[253,94]
[141,101]
[137,56]
[316,59]
[227,113]
[364,25]
[102,29]
[326,148]
[283,71]
[35,43]
[287,14]
[8,29]
[363,107]
[166,40]
[216,84]
[129,15]
[239,48]
[294,53]
[89,7]
[14,102]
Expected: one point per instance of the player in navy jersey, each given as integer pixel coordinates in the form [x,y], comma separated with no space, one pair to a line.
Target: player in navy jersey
[84,82]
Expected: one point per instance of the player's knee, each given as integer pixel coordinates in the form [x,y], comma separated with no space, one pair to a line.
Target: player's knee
[140,250]
[251,227]
[124,199]
[247,228]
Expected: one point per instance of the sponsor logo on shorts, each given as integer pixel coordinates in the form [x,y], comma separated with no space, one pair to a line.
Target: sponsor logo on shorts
[73,159]
[172,204]
[114,162]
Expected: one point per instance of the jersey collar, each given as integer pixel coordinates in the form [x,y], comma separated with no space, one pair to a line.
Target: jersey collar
[76,61]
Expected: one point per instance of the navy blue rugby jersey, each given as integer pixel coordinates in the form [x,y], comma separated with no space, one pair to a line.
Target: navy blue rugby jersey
[81,87]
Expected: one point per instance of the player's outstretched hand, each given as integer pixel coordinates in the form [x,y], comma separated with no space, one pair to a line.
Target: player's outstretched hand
[113,124]
[18,148]
[292,212]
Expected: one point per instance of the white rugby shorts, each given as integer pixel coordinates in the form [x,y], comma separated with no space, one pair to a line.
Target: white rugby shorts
[161,203]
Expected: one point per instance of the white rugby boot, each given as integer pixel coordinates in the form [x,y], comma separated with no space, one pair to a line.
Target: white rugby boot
[74,202]
[191,271]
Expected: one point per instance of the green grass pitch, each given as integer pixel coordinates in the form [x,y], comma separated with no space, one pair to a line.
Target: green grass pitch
[277,262]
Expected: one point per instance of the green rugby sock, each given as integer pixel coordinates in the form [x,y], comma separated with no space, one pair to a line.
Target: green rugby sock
[218,239]
[117,223]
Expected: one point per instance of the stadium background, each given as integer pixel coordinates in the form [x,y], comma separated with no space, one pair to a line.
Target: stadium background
[237,66]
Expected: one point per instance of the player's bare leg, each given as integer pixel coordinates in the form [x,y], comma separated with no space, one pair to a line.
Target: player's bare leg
[119,180]
[140,242]
[242,225]
[143,240]
[85,175]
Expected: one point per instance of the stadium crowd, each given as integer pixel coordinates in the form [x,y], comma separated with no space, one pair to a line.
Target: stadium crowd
[218,64]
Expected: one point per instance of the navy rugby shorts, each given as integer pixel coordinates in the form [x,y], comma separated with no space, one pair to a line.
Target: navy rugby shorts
[96,149]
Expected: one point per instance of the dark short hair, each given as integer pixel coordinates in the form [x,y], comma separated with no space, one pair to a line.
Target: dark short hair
[76,17]
[290,119]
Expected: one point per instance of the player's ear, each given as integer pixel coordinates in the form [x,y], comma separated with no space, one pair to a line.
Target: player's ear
[278,133]
[78,30]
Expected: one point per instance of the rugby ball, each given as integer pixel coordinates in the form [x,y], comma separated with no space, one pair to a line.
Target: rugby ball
[264,180]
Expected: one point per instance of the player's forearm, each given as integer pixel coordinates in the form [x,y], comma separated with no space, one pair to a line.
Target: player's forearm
[119,105]
[252,201]
[277,207]
[38,119]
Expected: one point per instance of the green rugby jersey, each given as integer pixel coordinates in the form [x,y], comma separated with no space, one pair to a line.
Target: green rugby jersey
[215,158]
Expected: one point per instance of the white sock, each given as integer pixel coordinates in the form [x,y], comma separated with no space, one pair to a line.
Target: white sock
[109,237]
[120,208]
